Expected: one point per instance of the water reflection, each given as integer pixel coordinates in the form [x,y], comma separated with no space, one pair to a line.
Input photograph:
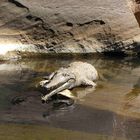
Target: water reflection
[112,109]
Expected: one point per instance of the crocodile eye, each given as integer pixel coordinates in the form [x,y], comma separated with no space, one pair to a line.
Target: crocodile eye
[65,74]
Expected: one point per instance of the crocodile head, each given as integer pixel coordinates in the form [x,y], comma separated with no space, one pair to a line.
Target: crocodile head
[61,80]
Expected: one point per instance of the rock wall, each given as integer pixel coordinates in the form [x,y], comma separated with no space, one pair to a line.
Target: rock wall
[135,6]
[67,26]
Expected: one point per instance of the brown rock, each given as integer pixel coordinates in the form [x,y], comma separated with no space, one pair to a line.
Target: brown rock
[68,26]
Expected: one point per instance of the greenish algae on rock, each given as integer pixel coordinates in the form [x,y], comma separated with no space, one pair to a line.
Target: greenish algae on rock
[35,132]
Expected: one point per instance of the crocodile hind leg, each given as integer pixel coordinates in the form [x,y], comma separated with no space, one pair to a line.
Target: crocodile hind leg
[89,83]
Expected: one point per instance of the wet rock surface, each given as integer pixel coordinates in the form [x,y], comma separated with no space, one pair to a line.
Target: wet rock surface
[67,27]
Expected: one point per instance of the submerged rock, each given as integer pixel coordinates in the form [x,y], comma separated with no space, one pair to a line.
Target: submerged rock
[52,27]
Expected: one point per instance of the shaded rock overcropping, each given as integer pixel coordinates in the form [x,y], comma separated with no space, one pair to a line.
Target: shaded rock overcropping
[58,27]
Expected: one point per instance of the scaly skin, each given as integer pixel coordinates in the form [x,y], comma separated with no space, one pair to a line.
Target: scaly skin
[76,74]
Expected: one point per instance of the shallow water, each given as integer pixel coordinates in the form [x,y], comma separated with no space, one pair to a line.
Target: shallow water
[111,112]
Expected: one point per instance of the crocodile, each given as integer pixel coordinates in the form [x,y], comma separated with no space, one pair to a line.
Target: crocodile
[75,75]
